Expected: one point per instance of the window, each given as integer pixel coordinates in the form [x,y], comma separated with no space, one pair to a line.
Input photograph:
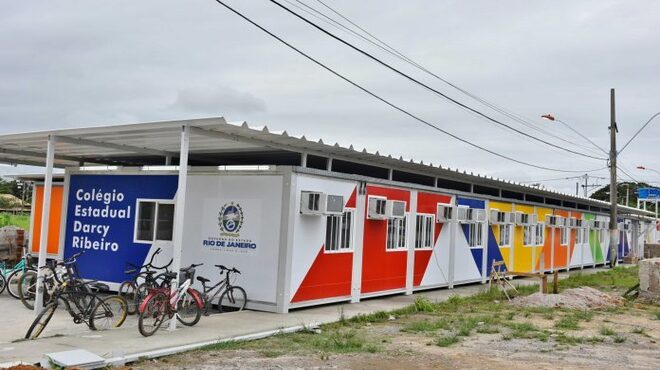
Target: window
[339,232]
[528,235]
[424,232]
[475,235]
[580,235]
[505,236]
[396,233]
[564,236]
[155,221]
[540,234]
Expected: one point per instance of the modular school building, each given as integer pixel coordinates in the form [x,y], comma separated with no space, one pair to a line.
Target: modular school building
[305,222]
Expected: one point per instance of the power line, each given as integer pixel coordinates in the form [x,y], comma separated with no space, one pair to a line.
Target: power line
[396,53]
[638,131]
[412,79]
[383,100]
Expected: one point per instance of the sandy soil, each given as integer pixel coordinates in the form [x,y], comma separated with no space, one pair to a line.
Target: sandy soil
[401,350]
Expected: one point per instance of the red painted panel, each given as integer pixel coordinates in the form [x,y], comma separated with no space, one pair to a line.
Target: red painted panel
[329,276]
[352,200]
[382,270]
[427,203]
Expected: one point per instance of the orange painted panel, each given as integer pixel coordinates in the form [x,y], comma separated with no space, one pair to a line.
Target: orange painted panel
[54,222]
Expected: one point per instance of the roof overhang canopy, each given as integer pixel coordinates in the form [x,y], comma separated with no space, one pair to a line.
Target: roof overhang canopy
[214,141]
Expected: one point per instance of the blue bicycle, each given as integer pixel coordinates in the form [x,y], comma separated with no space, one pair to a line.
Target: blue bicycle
[11,275]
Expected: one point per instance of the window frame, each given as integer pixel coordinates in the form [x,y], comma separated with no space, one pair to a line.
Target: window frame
[529,230]
[509,232]
[475,234]
[539,227]
[428,236]
[401,232]
[157,203]
[564,237]
[351,237]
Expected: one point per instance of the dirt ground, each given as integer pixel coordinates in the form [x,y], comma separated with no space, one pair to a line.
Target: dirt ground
[607,340]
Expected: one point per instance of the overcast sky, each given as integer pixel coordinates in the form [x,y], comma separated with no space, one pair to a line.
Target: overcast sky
[83,63]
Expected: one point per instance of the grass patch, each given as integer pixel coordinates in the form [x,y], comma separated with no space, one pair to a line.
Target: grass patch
[573,340]
[223,346]
[607,331]
[8,219]
[568,322]
[619,339]
[446,340]
[656,315]
[426,326]
[639,330]
[612,279]
[487,329]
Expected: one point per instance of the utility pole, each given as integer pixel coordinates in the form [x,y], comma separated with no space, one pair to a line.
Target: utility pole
[614,230]
[577,189]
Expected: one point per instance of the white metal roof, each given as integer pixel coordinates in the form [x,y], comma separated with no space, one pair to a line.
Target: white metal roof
[150,143]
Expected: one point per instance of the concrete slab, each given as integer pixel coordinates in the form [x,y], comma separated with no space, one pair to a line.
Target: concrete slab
[126,342]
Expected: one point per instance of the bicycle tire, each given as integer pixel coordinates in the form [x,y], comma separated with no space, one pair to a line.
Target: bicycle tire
[189,311]
[127,290]
[40,322]
[103,310]
[234,297]
[3,283]
[141,293]
[27,288]
[13,280]
[156,308]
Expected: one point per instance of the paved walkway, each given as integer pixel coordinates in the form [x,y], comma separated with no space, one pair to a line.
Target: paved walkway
[127,344]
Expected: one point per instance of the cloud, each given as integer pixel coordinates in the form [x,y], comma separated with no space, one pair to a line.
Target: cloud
[217,100]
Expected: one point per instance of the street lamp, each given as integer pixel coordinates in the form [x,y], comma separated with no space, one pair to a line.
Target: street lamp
[550,117]
[648,169]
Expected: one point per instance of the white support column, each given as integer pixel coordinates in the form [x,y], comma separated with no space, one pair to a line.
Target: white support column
[45,221]
[552,248]
[303,160]
[453,225]
[329,165]
[390,174]
[410,263]
[360,215]
[180,205]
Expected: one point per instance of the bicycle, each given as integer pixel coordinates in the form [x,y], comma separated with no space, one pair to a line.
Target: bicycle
[134,292]
[55,274]
[84,305]
[13,274]
[231,296]
[161,303]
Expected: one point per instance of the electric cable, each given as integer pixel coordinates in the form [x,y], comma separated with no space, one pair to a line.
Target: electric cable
[437,92]
[396,53]
[387,102]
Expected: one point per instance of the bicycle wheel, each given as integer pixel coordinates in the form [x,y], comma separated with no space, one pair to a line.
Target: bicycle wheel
[188,310]
[127,290]
[12,283]
[233,299]
[40,322]
[3,283]
[27,288]
[156,309]
[108,313]
[141,292]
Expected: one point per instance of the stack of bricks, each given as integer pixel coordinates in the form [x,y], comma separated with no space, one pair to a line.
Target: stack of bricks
[649,280]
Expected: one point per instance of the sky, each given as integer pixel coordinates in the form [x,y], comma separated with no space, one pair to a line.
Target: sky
[86,63]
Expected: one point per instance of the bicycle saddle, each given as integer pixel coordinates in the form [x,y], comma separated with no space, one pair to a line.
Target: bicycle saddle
[221,267]
[203,280]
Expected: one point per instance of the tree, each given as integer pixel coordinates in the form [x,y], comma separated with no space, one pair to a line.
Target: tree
[622,187]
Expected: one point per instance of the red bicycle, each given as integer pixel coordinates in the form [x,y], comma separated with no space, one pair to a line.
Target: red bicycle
[162,304]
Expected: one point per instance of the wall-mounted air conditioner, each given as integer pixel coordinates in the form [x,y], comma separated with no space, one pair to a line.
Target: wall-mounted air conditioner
[444,213]
[551,220]
[464,214]
[497,217]
[478,215]
[572,222]
[376,209]
[395,209]
[316,203]
[561,221]
[525,219]
[578,223]
[533,219]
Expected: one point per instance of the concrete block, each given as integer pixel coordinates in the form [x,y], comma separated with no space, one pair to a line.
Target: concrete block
[649,279]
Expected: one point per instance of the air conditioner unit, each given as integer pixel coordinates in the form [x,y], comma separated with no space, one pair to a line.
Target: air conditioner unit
[578,223]
[444,213]
[478,215]
[571,222]
[594,224]
[315,203]
[521,218]
[510,218]
[551,220]
[464,214]
[377,208]
[533,219]
[395,209]
[499,217]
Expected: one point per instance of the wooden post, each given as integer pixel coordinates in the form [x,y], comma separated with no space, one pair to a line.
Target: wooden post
[555,282]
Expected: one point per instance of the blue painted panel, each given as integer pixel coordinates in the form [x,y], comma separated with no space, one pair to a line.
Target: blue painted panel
[493,251]
[101,211]
[472,203]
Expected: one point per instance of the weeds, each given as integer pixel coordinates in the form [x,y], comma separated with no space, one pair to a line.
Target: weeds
[425,326]
[607,331]
[619,339]
[567,322]
[446,340]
